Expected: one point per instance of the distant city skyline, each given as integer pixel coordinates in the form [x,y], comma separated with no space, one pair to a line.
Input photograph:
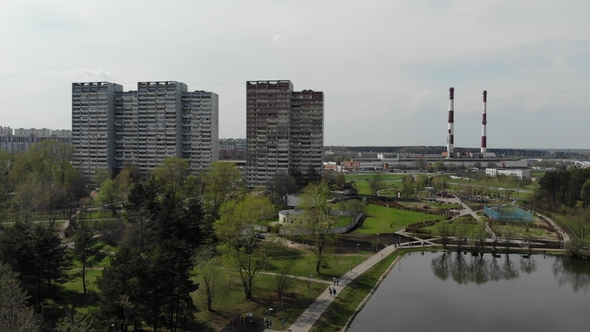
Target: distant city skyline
[385,66]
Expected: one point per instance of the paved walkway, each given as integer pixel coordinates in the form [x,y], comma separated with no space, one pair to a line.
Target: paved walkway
[311,315]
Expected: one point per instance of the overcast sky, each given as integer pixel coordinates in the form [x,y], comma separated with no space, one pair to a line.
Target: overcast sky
[385,66]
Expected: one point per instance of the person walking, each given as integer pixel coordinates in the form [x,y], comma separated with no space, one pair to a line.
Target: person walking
[334,291]
[334,279]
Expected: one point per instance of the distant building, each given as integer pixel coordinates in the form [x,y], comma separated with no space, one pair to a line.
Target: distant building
[520,173]
[20,139]
[285,131]
[112,127]
[230,148]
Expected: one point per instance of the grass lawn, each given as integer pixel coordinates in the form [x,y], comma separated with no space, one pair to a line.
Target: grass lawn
[231,301]
[369,176]
[462,226]
[303,262]
[383,220]
[521,231]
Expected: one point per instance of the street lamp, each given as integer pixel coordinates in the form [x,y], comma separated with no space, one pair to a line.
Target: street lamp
[309,285]
[377,243]
[269,316]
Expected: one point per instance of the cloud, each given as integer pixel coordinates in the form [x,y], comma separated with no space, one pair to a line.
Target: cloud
[282,41]
[85,74]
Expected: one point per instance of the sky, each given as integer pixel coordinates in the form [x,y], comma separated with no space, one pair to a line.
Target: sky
[385,66]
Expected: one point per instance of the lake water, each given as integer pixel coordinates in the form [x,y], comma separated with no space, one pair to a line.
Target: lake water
[452,292]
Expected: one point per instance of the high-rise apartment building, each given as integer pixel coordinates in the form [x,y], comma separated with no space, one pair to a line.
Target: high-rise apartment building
[284,130]
[113,128]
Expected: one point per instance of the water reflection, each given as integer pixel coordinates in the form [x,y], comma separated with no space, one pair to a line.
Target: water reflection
[574,272]
[480,269]
[465,269]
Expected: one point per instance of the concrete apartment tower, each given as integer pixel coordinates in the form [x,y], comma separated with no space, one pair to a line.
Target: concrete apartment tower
[284,131]
[113,128]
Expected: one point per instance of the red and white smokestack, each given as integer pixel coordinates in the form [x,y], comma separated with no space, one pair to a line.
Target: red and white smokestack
[451,133]
[484,120]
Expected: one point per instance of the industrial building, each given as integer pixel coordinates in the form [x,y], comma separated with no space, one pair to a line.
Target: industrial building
[284,131]
[113,128]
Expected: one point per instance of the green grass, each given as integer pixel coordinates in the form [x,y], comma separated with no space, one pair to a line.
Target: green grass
[303,262]
[383,220]
[520,231]
[370,176]
[232,301]
[462,226]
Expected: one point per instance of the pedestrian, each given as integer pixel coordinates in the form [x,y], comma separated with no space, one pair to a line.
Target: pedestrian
[334,291]
[337,281]
[330,290]
[334,279]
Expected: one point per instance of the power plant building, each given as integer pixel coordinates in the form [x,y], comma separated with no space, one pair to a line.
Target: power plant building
[113,128]
[284,131]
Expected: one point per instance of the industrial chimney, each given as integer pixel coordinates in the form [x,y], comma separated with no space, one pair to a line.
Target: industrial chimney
[450,133]
[483,124]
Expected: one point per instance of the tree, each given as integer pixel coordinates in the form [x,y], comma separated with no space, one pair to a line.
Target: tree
[376,183]
[585,193]
[283,282]
[15,314]
[236,229]
[84,250]
[210,273]
[444,232]
[107,196]
[36,254]
[340,179]
[30,197]
[281,184]
[318,222]
[439,166]
[408,186]
[223,182]
[75,322]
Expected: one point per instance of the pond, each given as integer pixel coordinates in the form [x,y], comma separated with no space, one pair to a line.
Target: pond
[458,292]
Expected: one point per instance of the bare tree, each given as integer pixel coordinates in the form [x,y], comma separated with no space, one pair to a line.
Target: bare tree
[15,314]
[282,282]
[210,273]
[318,223]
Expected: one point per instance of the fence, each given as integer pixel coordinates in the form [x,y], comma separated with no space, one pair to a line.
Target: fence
[508,214]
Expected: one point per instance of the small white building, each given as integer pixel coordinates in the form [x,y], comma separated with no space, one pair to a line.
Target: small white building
[520,173]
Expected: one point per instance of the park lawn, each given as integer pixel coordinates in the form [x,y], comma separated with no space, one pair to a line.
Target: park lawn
[231,301]
[383,220]
[521,231]
[363,188]
[366,177]
[431,205]
[303,262]
[462,226]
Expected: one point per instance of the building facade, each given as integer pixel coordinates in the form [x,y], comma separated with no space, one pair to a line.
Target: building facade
[284,131]
[113,128]
[20,139]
